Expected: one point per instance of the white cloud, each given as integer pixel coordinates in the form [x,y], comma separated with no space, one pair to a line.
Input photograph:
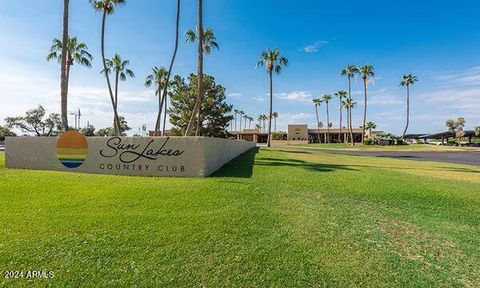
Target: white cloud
[299,96]
[313,48]
[234,95]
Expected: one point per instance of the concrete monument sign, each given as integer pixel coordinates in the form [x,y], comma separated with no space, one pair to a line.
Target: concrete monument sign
[297,132]
[159,156]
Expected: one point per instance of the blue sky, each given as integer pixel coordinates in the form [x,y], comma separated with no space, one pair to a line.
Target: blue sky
[439,41]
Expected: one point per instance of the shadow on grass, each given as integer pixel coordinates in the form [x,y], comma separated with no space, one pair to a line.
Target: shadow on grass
[240,167]
[317,167]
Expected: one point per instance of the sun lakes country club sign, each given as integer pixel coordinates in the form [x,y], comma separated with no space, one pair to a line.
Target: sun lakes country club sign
[139,156]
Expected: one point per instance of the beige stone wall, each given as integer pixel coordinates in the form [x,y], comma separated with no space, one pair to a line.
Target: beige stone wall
[199,156]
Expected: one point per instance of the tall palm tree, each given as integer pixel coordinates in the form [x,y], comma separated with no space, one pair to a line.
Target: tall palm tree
[407,80]
[317,102]
[119,67]
[350,104]
[250,119]
[236,112]
[366,71]
[340,95]
[241,117]
[245,118]
[370,126]
[159,79]
[273,62]
[275,116]
[261,119]
[77,52]
[163,99]
[197,108]
[107,7]
[63,68]
[326,98]
[350,71]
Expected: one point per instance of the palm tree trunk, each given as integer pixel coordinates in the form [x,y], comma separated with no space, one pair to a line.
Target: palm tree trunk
[318,124]
[116,99]
[197,109]
[63,68]
[160,107]
[364,108]
[351,126]
[235,121]
[115,114]
[172,61]
[68,81]
[275,124]
[328,125]
[408,112]
[340,129]
[165,116]
[269,139]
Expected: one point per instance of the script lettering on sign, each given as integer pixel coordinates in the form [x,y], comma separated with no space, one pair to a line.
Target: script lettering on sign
[129,153]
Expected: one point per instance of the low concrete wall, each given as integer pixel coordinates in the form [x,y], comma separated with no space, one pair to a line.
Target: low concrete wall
[142,156]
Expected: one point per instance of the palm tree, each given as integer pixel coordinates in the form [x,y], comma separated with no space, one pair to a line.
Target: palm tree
[317,102]
[163,99]
[350,71]
[159,78]
[477,131]
[236,112]
[200,45]
[326,98]
[76,53]
[119,67]
[350,104]
[407,80]
[250,119]
[107,7]
[261,119]
[209,40]
[272,60]
[63,68]
[340,95]
[275,116]
[245,118]
[366,71]
[241,117]
[258,127]
[370,126]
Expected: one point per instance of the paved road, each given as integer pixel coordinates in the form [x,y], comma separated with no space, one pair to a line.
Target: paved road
[468,158]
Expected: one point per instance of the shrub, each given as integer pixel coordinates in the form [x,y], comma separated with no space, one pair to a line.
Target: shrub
[368,141]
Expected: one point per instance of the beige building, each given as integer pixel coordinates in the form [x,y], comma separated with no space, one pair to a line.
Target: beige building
[296,132]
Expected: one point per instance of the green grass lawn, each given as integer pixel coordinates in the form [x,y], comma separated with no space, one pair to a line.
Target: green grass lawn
[281,217]
[411,147]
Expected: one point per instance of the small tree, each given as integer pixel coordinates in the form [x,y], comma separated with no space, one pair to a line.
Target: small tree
[88,131]
[216,114]
[36,121]
[110,131]
[6,132]
[477,131]
[456,127]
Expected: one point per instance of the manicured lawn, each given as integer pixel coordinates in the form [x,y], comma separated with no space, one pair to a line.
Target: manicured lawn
[294,218]
[411,147]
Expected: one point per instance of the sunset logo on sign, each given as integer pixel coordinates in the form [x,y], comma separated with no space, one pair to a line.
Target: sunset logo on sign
[72,149]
